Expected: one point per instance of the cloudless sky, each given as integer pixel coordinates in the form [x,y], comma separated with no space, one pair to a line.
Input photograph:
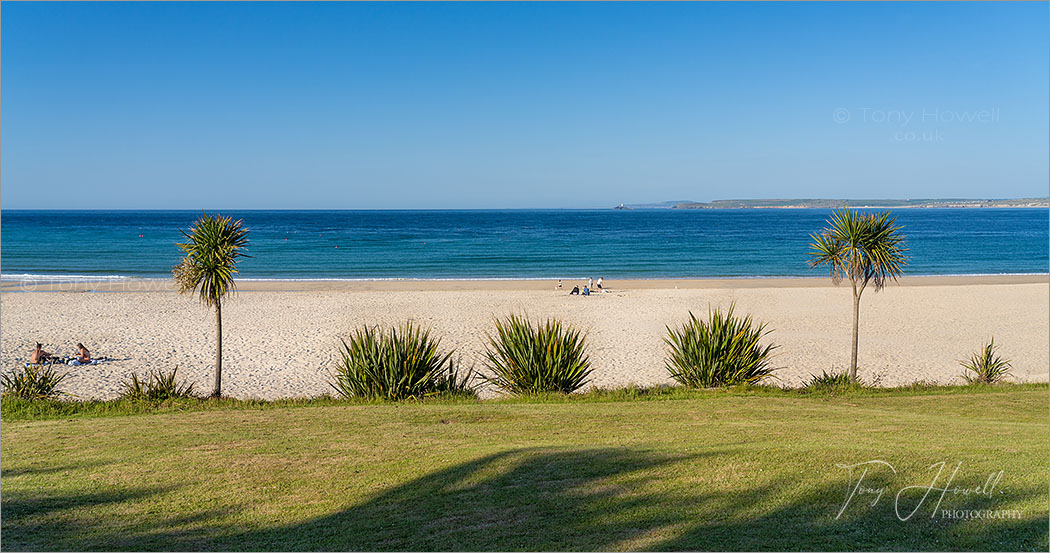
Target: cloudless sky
[508,105]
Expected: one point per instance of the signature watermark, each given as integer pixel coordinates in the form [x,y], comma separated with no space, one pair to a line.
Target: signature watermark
[904,118]
[936,492]
[925,124]
[124,291]
[44,283]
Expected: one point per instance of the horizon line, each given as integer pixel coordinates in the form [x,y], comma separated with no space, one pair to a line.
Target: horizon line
[635,205]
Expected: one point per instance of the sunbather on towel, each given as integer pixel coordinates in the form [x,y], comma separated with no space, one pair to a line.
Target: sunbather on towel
[39,355]
[83,355]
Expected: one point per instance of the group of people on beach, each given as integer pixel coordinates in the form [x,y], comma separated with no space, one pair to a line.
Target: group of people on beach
[590,287]
[39,356]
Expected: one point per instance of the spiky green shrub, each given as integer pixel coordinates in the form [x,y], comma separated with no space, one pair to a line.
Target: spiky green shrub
[827,382]
[33,382]
[157,386]
[527,358]
[722,351]
[985,366]
[403,362]
[456,382]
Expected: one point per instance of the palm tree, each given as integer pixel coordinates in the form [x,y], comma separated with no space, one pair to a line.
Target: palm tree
[866,249]
[212,248]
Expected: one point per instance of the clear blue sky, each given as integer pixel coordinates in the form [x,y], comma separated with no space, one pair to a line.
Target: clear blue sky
[330,105]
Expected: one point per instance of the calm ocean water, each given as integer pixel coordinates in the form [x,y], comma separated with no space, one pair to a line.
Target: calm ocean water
[512,244]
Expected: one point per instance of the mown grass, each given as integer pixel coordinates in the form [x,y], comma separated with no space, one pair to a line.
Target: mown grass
[643,469]
[16,409]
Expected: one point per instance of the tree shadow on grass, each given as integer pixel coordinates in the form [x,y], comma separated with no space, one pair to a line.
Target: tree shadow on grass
[41,470]
[19,507]
[820,519]
[600,499]
[51,521]
[46,519]
[557,499]
[521,499]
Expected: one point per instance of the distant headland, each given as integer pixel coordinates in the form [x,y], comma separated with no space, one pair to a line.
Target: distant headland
[834,203]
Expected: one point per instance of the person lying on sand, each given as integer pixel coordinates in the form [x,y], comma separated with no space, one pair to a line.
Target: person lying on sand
[39,355]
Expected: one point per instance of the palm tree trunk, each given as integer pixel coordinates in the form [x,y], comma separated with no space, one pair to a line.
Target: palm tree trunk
[217,391]
[856,329]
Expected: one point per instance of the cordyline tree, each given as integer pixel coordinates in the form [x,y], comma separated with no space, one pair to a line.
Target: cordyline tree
[867,249]
[213,246]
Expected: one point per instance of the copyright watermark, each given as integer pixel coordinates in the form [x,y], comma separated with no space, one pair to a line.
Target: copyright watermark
[904,118]
[937,491]
[925,124]
[124,293]
[81,284]
[981,513]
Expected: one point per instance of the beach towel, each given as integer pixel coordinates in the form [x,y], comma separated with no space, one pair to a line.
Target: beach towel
[71,361]
[53,360]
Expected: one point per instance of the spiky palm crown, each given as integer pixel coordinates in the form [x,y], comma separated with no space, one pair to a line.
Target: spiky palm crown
[866,248]
[213,246]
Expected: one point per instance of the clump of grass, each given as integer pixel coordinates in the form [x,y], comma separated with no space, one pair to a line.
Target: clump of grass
[722,351]
[402,362]
[34,382]
[527,358]
[920,385]
[826,381]
[455,383]
[157,386]
[985,366]
[835,383]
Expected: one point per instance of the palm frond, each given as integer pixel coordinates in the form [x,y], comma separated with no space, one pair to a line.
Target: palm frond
[866,248]
[213,246]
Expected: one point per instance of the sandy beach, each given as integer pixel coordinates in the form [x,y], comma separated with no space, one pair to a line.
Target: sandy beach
[281,337]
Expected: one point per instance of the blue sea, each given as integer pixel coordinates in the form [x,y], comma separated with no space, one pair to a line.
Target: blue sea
[512,244]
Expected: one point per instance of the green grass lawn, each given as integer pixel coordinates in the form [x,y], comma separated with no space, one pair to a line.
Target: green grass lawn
[703,470]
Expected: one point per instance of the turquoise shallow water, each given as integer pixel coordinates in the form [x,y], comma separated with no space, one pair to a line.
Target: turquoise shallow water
[512,244]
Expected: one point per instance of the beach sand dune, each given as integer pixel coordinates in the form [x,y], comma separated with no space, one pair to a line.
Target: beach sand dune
[283,343]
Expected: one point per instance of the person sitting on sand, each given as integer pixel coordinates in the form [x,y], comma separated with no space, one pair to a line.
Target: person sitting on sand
[39,355]
[575,291]
[586,290]
[83,355]
[559,284]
